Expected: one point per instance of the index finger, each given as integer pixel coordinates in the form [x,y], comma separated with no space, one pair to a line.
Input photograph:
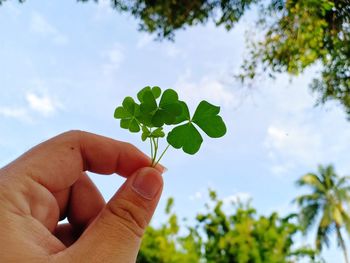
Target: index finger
[58,162]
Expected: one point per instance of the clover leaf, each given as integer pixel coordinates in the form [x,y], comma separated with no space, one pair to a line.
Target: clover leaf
[188,137]
[169,109]
[127,113]
[158,109]
[207,118]
[166,112]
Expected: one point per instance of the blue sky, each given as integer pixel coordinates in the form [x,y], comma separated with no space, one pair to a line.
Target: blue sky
[66,65]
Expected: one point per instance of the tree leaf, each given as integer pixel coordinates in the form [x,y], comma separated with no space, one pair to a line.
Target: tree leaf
[186,137]
[207,118]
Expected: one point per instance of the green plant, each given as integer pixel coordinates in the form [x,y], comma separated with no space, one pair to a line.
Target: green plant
[157,109]
[328,203]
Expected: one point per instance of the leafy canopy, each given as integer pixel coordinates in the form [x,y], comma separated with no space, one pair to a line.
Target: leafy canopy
[296,34]
[241,236]
[157,109]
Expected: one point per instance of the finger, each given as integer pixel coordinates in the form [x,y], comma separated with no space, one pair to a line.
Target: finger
[58,162]
[66,234]
[86,202]
[115,235]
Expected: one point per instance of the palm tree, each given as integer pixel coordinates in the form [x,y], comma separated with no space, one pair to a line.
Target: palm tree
[328,203]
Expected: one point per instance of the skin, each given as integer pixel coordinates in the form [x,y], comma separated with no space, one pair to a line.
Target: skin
[49,183]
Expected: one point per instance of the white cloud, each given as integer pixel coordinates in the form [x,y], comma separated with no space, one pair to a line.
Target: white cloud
[18,113]
[293,143]
[114,57]
[236,198]
[196,196]
[144,41]
[39,25]
[208,88]
[298,134]
[172,51]
[44,104]
[103,10]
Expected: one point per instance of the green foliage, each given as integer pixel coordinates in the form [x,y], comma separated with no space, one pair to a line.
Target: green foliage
[241,237]
[166,17]
[165,245]
[329,201]
[300,34]
[157,109]
[296,34]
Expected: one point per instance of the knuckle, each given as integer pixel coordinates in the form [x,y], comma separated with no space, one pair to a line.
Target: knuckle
[133,216]
[130,146]
[73,134]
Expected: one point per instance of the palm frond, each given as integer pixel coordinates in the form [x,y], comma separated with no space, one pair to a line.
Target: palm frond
[307,216]
[343,182]
[312,181]
[308,199]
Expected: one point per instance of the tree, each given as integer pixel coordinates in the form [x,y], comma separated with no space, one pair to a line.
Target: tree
[329,202]
[296,35]
[299,34]
[241,237]
[164,245]
[245,237]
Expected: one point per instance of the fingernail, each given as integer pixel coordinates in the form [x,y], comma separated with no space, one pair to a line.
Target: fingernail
[147,183]
[161,168]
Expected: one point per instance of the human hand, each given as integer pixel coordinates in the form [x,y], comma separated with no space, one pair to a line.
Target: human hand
[49,183]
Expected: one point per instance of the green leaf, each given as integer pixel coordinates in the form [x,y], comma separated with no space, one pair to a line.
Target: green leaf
[169,96]
[149,103]
[157,133]
[158,119]
[185,113]
[145,119]
[156,92]
[134,126]
[141,92]
[125,123]
[130,124]
[129,105]
[207,118]
[186,137]
[169,109]
[121,113]
[127,113]
[145,133]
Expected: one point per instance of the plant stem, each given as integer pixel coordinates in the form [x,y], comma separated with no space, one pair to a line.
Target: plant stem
[151,149]
[154,156]
[160,157]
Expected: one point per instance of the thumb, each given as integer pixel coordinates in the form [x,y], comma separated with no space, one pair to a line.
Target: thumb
[115,236]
